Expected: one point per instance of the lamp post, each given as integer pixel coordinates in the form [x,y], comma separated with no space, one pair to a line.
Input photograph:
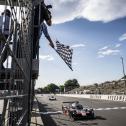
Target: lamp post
[123,73]
[123,66]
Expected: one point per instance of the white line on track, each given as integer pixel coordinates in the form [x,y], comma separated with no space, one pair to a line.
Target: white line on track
[96,109]
[50,113]
[114,108]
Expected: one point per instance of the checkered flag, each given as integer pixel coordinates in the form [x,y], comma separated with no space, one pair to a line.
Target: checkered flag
[65,53]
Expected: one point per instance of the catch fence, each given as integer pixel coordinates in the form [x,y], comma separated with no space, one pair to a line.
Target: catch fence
[17,78]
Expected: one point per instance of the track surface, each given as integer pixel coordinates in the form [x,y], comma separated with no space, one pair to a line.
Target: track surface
[107,113]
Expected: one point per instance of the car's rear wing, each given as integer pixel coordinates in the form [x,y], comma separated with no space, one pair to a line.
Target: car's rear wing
[70,102]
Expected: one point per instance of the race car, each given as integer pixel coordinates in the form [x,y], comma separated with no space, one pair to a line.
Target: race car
[52,98]
[75,110]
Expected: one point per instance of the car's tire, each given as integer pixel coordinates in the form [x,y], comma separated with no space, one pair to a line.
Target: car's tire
[71,116]
[92,116]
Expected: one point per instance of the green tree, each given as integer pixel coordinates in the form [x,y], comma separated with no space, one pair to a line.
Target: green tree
[96,85]
[71,84]
[61,88]
[52,88]
[45,90]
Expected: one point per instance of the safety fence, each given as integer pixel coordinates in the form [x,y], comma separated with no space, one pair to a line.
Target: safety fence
[121,98]
[16,80]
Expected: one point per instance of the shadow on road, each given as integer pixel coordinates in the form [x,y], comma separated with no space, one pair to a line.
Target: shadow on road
[88,123]
[0,119]
[64,119]
[95,118]
[47,119]
[100,118]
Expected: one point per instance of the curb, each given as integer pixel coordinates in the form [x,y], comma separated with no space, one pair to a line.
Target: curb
[36,118]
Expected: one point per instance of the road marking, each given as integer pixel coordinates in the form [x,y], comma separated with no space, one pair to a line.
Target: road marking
[60,112]
[50,113]
[114,108]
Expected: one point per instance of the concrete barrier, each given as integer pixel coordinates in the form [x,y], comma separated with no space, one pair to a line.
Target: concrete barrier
[121,98]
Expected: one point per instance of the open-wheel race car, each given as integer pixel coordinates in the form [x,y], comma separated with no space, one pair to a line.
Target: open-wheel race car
[76,111]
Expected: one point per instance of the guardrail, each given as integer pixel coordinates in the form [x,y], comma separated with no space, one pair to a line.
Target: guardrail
[121,98]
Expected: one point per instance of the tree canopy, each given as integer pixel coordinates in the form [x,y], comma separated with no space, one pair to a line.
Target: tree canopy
[71,84]
[61,88]
[52,88]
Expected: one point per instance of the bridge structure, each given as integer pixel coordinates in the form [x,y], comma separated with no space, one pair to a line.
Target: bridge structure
[18,77]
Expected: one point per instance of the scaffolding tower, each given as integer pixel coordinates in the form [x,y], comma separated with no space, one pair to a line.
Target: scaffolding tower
[17,79]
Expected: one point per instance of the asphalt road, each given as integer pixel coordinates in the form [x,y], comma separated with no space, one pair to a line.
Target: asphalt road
[108,113]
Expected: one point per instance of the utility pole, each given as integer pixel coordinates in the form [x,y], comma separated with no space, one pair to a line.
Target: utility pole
[123,74]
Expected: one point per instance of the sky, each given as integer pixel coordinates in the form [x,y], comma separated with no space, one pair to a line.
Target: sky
[96,30]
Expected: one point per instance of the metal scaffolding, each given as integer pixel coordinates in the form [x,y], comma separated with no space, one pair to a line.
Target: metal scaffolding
[17,79]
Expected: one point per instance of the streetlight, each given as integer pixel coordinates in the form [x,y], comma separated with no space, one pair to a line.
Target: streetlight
[124,78]
[123,67]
